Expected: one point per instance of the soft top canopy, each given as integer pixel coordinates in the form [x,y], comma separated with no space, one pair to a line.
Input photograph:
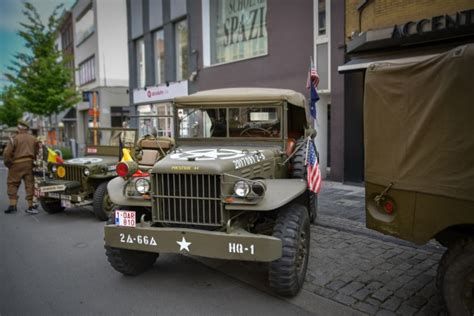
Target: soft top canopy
[419,124]
[242,96]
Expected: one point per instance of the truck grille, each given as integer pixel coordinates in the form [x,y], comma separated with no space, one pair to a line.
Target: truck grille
[73,173]
[188,199]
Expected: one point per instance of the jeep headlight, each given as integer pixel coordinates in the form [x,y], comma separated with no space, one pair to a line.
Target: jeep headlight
[86,172]
[142,186]
[241,188]
[54,168]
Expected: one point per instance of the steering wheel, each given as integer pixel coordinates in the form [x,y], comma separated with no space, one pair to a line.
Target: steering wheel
[246,131]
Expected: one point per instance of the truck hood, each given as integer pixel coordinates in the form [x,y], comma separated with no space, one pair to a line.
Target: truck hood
[92,160]
[213,159]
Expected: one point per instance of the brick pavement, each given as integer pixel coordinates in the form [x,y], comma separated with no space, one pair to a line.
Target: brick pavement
[365,270]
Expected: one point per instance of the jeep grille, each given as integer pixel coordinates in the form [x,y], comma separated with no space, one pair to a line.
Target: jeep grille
[188,199]
[73,173]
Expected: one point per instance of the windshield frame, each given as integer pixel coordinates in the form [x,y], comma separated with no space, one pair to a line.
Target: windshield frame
[227,107]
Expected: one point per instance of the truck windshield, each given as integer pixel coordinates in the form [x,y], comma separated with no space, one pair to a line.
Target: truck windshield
[229,122]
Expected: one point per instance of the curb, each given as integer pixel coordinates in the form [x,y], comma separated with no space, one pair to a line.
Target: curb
[357,228]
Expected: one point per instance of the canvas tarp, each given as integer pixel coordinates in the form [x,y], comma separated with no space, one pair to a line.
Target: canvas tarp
[419,124]
[242,96]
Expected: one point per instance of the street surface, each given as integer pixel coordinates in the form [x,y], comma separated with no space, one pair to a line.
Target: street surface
[55,265]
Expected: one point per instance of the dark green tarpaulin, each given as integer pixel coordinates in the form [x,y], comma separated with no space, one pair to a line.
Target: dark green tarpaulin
[419,124]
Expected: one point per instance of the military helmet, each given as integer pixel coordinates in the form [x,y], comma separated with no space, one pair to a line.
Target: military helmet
[23,124]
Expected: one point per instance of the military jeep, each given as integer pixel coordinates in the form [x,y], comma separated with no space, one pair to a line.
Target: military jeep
[234,187]
[83,181]
[419,149]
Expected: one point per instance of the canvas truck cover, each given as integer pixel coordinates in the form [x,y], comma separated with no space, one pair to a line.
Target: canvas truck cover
[252,96]
[419,124]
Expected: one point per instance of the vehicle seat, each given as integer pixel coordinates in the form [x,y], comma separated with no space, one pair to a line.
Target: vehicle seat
[153,149]
[290,146]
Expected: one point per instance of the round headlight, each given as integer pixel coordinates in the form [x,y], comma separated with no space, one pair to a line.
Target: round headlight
[54,168]
[258,188]
[86,172]
[241,188]
[142,185]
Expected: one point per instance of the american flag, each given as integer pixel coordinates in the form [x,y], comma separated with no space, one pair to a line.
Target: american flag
[313,172]
[312,83]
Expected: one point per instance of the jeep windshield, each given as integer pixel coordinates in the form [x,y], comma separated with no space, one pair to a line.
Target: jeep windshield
[110,137]
[234,122]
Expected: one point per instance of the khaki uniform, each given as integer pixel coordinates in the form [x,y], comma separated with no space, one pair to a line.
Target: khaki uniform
[18,157]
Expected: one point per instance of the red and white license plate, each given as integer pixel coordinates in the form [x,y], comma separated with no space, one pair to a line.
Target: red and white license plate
[125,218]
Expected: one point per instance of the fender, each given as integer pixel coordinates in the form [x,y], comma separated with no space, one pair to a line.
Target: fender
[279,192]
[115,187]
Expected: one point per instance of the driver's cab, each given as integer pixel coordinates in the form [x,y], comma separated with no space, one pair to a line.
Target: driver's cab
[241,116]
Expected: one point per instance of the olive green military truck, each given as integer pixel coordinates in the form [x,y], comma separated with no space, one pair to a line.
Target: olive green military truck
[234,187]
[419,151]
[83,181]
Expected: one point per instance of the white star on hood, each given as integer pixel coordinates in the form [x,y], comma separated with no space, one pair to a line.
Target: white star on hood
[183,244]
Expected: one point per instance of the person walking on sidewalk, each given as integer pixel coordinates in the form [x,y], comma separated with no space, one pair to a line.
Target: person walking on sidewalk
[18,158]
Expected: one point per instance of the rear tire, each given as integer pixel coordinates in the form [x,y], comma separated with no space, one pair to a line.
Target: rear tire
[51,206]
[102,204]
[299,171]
[455,277]
[287,274]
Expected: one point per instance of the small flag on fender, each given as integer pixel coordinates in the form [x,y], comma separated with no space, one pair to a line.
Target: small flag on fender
[54,157]
[126,155]
[313,175]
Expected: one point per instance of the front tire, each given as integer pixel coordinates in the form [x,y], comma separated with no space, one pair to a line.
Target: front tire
[51,206]
[287,274]
[130,262]
[102,204]
[456,277]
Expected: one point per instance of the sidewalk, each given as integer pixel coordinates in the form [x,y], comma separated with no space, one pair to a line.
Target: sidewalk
[353,270]
[365,270]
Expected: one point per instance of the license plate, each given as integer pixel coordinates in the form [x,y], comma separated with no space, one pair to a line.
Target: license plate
[54,195]
[125,218]
[53,188]
[66,203]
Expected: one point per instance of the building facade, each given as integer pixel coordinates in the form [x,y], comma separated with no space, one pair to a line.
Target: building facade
[101,62]
[158,37]
[67,118]
[181,47]
[383,30]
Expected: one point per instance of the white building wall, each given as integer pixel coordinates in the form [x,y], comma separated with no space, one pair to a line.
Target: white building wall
[111,29]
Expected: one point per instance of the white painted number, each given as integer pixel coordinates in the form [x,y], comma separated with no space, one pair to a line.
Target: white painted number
[139,239]
[240,248]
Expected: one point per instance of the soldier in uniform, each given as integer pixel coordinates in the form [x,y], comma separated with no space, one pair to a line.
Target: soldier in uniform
[18,158]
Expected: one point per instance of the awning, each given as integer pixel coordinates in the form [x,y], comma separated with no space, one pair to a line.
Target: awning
[362,63]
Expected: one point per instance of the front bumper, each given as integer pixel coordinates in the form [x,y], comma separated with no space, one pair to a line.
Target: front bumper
[239,245]
[62,190]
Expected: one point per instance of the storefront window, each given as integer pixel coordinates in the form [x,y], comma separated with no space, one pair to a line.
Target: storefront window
[181,38]
[159,57]
[238,29]
[140,51]
[155,119]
